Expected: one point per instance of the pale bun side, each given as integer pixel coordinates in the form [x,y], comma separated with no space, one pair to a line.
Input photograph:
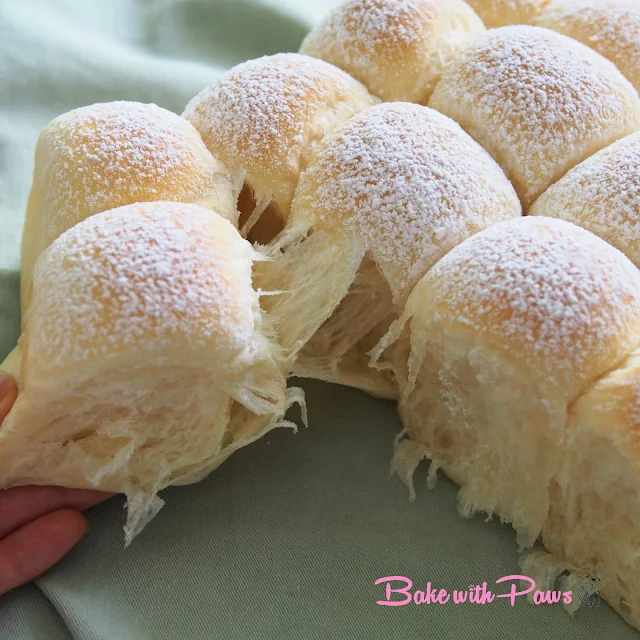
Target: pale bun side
[594,517]
[145,356]
[538,101]
[396,48]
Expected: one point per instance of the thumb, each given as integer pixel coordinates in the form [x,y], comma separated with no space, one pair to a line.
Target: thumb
[8,394]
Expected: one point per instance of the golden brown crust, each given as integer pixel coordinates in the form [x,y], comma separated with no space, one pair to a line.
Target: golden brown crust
[165,277]
[611,410]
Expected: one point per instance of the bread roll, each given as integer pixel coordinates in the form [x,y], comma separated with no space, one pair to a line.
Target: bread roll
[500,13]
[263,119]
[594,516]
[611,27]
[538,101]
[396,48]
[601,194]
[384,197]
[146,359]
[108,155]
[506,332]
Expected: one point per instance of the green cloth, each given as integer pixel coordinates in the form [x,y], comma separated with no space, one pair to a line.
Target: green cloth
[287,538]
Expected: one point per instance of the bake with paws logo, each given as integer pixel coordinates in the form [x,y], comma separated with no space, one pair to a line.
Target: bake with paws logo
[399,591]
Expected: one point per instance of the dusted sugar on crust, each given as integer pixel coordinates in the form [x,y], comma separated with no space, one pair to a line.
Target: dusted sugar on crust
[610,27]
[112,154]
[396,48]
[538,101]
[543,291]
[264,117]
[409,183]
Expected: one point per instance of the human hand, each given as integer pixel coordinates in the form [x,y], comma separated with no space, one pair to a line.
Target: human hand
[38,525]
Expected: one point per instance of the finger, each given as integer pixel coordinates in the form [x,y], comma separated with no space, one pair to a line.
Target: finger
[30,551]
[24,504]
[8,394]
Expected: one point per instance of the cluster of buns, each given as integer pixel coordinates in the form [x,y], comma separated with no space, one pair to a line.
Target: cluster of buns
[434,201]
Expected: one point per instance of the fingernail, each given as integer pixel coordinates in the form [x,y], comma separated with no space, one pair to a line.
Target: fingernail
[5,385]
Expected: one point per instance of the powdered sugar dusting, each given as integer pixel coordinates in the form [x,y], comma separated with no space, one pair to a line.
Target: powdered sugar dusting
[545,288]
[375,24]
[106,155]
[408,182]
[602,194]
[611,27]
[397,48]
[146,277]
[538,101]
[261,110]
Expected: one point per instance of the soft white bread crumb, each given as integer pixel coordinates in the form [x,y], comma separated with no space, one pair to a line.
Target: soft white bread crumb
[402,185]
[146,356]
[264,117]
[396,48]
[112,154]
[601,194]
[506,331]
[610,27]
[538,101]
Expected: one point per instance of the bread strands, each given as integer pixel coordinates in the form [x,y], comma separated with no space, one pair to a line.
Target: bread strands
[383,198]
[87,161]
[512,335]
[601,194]
[610,27]
[538,101]
[263,119]
[500,13]
[146,357]
[396,48]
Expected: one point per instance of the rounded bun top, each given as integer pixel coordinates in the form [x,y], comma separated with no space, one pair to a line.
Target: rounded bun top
[263,117]
[538,101]
[168,280]
[500,13]
[409,183]
[601,194]
[112,154]
[546,294]
[396,48]
[611,27]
